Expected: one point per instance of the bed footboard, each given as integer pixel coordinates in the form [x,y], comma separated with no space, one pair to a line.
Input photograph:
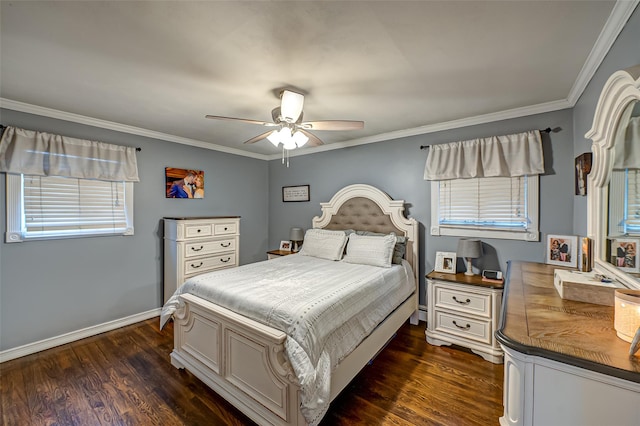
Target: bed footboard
[240,359]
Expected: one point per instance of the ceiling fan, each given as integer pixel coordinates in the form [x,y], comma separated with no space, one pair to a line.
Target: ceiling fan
[290,130]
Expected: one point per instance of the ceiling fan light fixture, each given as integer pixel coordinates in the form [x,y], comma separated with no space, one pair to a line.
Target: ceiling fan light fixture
[300,138]
[291,106]
[274,138]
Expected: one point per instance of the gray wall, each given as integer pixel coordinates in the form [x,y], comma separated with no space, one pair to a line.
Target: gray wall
[397,167]
[624,53]
[48,288]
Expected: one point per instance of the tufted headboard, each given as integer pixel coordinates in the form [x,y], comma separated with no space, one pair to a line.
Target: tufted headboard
[366,208]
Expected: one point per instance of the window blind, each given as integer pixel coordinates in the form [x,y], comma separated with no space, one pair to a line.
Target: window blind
[632,202]
[56,206]
[497,202]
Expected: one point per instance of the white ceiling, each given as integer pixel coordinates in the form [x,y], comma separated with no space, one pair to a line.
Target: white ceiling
[157,68]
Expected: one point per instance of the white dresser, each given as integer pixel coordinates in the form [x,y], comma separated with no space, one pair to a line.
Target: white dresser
[465,311]
[193,246]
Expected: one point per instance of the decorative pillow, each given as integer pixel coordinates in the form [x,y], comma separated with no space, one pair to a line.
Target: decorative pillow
[324,244]
[370,250]
[398,251]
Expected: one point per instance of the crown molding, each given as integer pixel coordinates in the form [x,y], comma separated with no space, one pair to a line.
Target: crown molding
[110,125]
[438,127]
[618,18]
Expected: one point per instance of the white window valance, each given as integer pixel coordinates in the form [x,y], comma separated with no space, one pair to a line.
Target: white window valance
[627,148]
[42,154]
[510,155]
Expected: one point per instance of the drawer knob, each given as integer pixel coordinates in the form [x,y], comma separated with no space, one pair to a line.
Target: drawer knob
[462,302]
[199,230]
[225,245]
[197,249]
[466,327]
[225,228]
[225,260]
[196,266]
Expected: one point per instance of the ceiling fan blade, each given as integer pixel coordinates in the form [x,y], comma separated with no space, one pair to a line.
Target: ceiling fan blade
[259,137]
[291,105]
[313,139]
[332,125]
[244,120]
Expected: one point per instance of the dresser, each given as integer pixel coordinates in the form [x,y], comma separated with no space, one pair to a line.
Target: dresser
[195,245]
[564,364]
[464,310]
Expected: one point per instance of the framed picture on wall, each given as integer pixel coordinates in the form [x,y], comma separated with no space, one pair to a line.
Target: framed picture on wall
[183,183]
[562,250]
[295,193]
[624,254]
[582,169]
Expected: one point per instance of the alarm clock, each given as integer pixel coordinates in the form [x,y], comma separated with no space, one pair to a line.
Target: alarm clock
[492,275]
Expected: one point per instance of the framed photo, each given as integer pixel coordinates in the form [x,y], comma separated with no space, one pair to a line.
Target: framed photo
[562,250]
[295,193]
[183,183]
[582,169]
[446,262]
[624,254]
[285,245]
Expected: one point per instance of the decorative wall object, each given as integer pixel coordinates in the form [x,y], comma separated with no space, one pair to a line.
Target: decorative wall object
[562,250]
[582,169]
[295,193]
[184,183]
[445,262]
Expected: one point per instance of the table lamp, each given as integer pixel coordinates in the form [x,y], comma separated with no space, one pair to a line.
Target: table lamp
[296,235]
[469,249]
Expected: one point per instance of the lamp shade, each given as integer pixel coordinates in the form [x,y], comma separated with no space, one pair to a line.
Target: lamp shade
[296,234]
[469,248]
[627,313]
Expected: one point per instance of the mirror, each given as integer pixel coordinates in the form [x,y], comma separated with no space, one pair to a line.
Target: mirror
[613,179]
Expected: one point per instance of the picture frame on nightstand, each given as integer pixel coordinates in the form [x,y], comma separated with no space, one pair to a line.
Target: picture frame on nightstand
[285,245]
[445,262]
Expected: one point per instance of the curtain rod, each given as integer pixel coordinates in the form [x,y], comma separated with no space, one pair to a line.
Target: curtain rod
[2,127]
[547,130]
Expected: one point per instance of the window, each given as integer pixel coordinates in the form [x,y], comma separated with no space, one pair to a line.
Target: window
[624,203]
[496,207]
[40,207]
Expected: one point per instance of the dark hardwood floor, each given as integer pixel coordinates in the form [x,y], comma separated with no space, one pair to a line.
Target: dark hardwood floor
[124,377]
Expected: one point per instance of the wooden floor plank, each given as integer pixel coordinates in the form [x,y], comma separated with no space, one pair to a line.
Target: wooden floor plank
[125,377]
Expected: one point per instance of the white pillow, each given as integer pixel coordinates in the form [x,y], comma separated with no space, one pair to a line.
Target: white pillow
[324,244]
[370,250]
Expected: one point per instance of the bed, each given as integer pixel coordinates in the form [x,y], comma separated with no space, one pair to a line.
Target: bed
[255,366]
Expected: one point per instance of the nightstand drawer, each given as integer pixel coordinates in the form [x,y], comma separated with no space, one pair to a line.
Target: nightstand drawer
[198,230]
[196,266]
[209,247]
[463,301]
[225,228]
[463,327]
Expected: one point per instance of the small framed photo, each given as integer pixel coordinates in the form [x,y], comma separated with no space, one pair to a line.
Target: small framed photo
[562,250]
[295,193]
[285,245]
[624,254]
[446,262]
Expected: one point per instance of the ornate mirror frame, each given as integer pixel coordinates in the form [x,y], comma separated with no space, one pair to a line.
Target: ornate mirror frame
[622,88]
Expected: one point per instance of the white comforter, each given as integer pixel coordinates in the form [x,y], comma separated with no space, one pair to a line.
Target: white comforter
[326,308]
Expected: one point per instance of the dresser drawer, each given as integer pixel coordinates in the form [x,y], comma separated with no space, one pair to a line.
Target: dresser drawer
[197,266]
[463,301]
[452,324]
[201,248]
[225,228]
[198,230]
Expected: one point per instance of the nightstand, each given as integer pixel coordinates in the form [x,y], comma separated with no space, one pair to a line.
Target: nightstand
[464,310]
[278,253]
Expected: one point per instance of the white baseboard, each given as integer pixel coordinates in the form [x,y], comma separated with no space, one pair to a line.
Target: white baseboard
[422,313]
[52,342]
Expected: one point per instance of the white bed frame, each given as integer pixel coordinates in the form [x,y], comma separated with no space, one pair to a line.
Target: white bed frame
[244,361]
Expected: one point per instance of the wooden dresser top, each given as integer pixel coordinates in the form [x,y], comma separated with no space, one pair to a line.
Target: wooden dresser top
[537,321]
